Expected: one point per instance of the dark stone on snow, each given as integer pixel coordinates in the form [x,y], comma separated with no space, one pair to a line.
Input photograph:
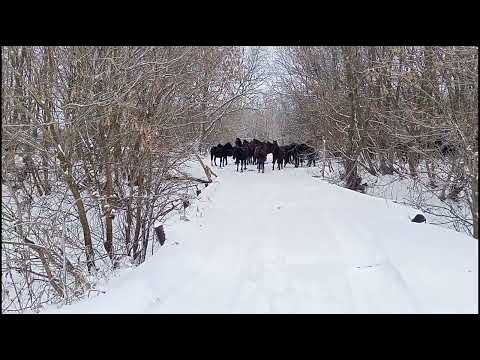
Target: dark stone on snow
[419,218]
[160,234]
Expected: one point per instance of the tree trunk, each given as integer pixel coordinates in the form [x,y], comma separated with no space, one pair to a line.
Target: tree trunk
[371,168]
[73,186]
[351,175]
[108,213]
[138,221]
[430,172]
[128,227]
[475,197]
[412,158]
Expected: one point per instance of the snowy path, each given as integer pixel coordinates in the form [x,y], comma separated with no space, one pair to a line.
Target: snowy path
[290,243]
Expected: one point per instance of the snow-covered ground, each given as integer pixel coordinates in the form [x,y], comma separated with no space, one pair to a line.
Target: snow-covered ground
[286,242]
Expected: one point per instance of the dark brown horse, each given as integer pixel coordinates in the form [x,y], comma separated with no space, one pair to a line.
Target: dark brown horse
[261,156]
[278,155]
[240,154]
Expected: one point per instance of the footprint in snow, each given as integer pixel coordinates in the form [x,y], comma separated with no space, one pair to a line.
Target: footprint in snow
[279,206]
[368,266]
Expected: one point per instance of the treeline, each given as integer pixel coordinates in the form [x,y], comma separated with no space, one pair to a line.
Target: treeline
[389,110]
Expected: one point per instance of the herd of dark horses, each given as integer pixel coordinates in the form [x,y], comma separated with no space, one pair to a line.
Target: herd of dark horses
[255,153]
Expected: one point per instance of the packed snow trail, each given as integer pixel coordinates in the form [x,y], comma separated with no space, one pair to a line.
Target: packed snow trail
[285,242]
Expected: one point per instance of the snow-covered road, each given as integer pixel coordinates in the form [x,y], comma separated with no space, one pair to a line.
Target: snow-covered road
[285,242]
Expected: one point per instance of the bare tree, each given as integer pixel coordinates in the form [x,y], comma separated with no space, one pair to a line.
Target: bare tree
[404,110]
[103,131]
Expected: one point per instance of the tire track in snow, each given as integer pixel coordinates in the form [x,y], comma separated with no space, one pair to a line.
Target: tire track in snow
[278,258]
[377,285]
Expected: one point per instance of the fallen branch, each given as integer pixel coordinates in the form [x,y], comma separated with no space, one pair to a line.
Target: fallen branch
[189,178]
[207,169]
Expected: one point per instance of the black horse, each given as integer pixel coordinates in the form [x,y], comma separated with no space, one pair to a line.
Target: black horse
[285,155]
[251,148]
[238,143]
[290,154]
[260,155]
[311,156]
[251,151]
[269,147]
[217,152]
[227,151]
[213,151]
[304,152]
[240,153]
[278,155]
